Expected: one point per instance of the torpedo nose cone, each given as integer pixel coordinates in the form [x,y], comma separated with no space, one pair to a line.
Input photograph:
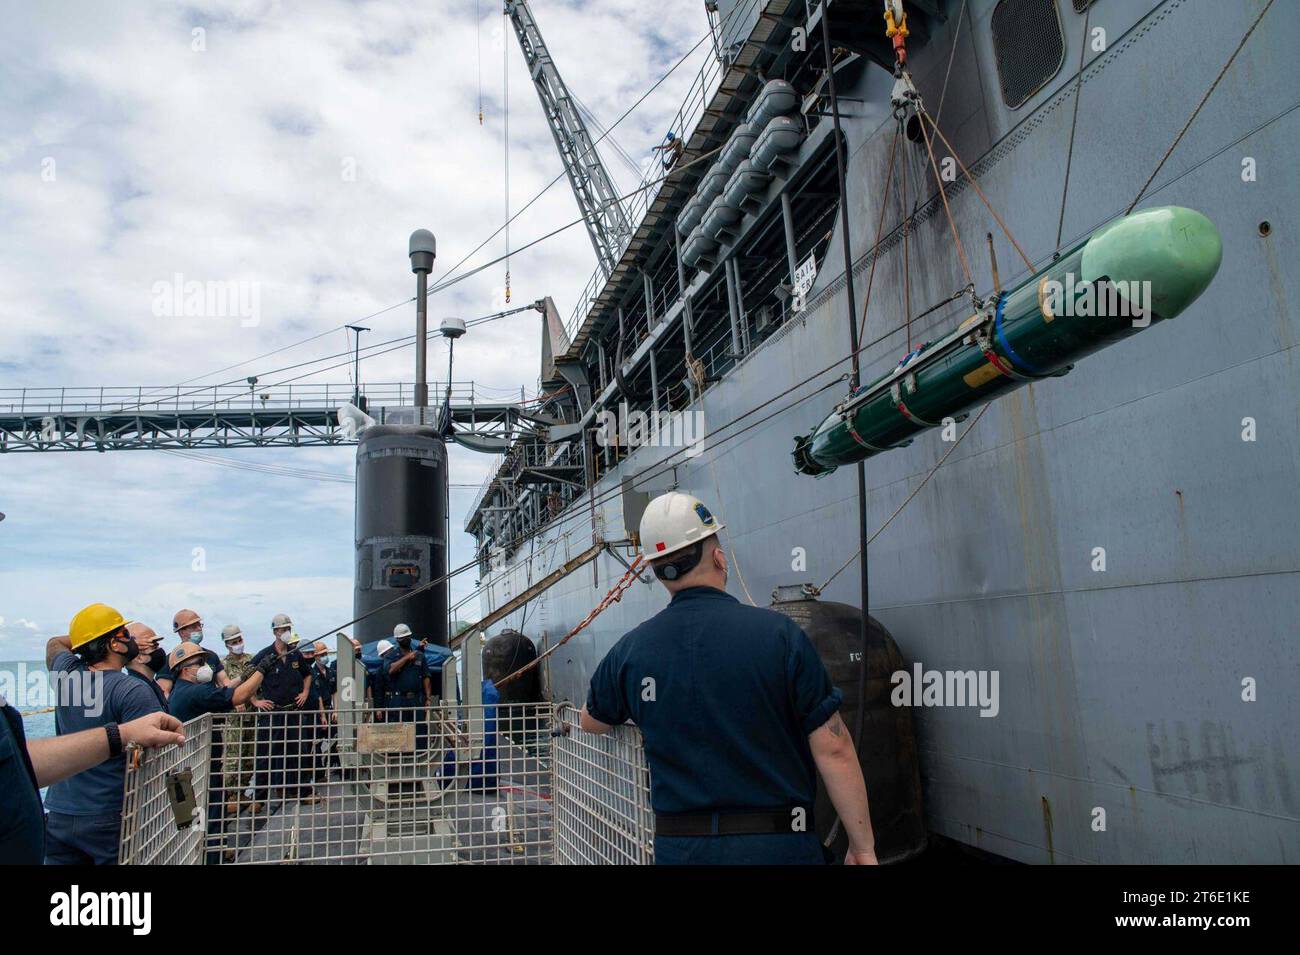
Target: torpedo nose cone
[1177,250]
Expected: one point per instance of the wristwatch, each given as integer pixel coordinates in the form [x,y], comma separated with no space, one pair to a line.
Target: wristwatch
[114,740]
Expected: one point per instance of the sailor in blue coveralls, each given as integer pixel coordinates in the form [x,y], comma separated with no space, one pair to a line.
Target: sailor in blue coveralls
[279,740]
[27,765]
[407,684]
[736,709]
[195,693]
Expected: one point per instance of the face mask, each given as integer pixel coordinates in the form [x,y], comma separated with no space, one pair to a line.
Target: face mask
[404,642]
[195,637]
[157,660]
[203,674]
[236,647]
[132,649]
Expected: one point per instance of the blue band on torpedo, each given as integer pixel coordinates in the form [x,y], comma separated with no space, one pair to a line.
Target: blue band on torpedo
[1006,345]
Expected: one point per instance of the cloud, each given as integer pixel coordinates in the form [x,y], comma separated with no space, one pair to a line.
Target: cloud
[296,150]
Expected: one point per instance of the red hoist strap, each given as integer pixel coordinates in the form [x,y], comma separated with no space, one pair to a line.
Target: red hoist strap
[848,424]
[1001,364]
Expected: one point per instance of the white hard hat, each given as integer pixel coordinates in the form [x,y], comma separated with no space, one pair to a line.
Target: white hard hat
[280,621]
[384,647]
[231,631]
[673,521]
[401,630]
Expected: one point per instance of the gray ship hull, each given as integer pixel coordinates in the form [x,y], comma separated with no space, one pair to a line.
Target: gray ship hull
[1121,733]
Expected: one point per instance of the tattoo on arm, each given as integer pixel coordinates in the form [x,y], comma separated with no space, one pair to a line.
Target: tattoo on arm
[835,725]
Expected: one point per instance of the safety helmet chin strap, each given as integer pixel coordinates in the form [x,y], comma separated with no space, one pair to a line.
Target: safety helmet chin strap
[681,565]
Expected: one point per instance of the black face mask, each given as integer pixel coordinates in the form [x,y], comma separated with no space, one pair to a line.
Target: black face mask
[157,660]
[404,642]
[132,649]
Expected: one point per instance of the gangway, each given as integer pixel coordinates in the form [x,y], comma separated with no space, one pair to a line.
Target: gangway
[180,417]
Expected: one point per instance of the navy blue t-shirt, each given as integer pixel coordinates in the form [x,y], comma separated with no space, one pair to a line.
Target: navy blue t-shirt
[410,678]
[725,696]
[87,699]
[189,699]
[152,684]
[22,824]
[282,684]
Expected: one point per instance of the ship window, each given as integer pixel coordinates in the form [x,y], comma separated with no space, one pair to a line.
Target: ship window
[402,575]
[1029,47]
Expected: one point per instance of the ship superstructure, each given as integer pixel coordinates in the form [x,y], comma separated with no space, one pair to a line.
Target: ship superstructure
[1098,540]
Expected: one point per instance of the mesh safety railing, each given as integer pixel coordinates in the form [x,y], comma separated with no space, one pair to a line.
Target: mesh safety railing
[446,784]
[602,796]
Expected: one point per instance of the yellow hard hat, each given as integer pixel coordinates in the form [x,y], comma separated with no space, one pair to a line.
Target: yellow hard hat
[183,654]
[93,622]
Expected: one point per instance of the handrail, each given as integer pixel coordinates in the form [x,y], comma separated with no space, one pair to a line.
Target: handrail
[167,399]
[701,90]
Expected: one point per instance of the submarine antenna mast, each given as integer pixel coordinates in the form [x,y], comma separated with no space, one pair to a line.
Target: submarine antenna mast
[598,200]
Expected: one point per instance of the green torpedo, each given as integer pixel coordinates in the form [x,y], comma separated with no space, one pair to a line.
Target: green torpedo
[1125,277]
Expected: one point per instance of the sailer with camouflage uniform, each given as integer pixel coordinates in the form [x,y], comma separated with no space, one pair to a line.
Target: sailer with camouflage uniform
[237,736]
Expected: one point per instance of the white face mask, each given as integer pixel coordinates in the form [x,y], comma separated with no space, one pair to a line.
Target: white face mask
[237,647]
[203,674]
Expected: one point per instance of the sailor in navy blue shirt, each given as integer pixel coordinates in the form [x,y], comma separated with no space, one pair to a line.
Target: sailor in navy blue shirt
[84,813]
[194,693]
[27,765]
[149,661]
[280,727]
[736,710]
[407,683]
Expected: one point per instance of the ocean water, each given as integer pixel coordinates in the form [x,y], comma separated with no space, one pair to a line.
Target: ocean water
[25,685]
[38,725]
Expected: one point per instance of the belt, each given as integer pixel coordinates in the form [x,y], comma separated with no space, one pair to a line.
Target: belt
[743,822]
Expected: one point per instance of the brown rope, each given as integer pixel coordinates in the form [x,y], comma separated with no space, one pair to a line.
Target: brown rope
[880,227]
[1191,119]
[943,194]
[907,500]
[980,192]
[907,262]
[614,596]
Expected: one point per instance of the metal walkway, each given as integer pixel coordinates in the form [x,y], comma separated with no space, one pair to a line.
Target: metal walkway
[177,417]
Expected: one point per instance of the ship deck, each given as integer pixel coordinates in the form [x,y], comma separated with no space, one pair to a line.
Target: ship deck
[444,785]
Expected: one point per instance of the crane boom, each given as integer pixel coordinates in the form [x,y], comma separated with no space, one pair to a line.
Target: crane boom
[598,200]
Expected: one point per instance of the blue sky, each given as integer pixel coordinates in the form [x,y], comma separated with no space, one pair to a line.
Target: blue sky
[219,155]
